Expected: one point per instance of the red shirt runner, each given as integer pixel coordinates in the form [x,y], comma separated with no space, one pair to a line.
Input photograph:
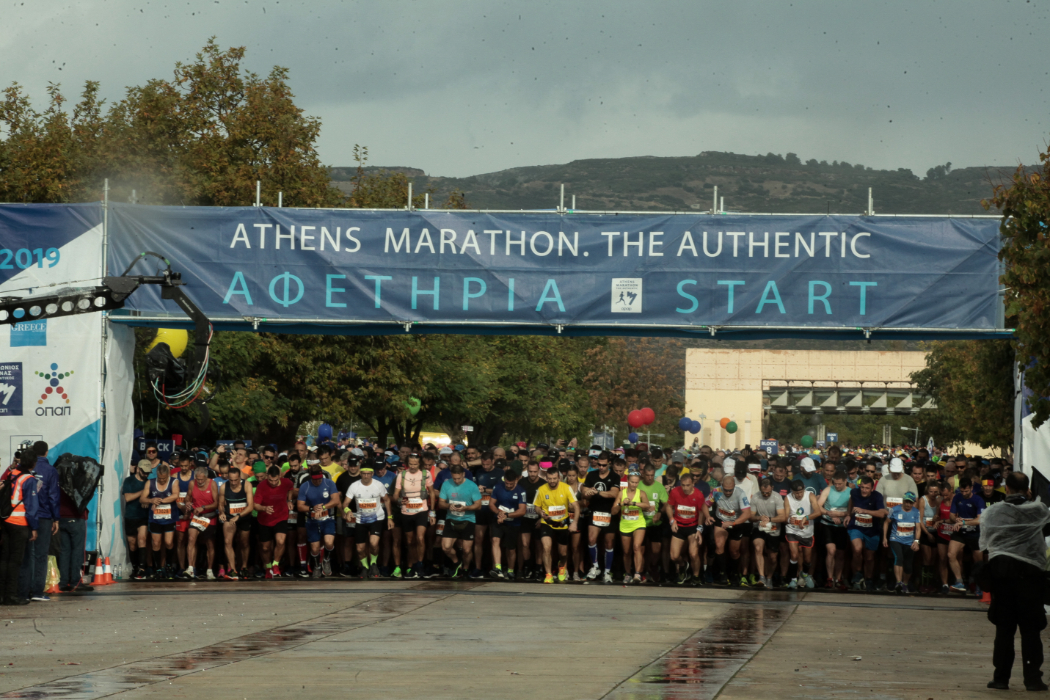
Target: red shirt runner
[686,509]
[276,496]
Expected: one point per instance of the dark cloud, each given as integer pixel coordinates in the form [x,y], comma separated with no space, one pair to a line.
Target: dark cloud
[460,88]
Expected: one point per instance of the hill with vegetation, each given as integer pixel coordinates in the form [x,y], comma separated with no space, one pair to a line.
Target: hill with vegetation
[769,183]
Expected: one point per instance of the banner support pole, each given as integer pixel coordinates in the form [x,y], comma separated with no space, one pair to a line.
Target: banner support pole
[258,193]
[409,207]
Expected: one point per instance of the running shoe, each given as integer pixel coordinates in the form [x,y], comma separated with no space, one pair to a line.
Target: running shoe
[396,572]
[593,573]
[761,582]
[497,573]
[303,573]
[209,575]
[227,575]
[751,580]
[326,566]
[793,584]
[627,579]
[638,579]
[317,573]
[454,573]
[411,574]
[269,575]
[140,574]
[904,590]
[563,574]
[829,584]
[944,589]
[683,576]
[181,576]
[476,574]
[959,587]
[548,579]
[743,581]
[373,571]
[276,571]
[841,585]
[576,578]
[810,583]
[608,577]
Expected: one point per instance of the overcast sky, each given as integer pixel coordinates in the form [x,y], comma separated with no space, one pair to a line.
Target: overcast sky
[461,88]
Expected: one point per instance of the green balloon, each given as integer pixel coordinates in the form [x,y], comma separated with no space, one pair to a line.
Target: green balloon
[413,405]
[807,441]
[731,427]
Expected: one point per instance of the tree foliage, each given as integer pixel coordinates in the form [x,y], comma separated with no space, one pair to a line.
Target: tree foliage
[1025,252]
[972,383]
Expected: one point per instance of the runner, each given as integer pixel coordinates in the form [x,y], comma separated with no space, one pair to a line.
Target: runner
[235,505]
[631,505]
[461,499]
[318,497]
[577,551]
[273,498]
[802,509]
[732,512]
[686,511]
[834,502]
[898,533]
[136,517]
[966,512]
[601,488]
[368,505]
[768,514]
[413,490]
[202,503]
[531,485]
[184,478]
[866,507]
[160,498]
[487,476]
[508,506]
[656,528]
[554,501]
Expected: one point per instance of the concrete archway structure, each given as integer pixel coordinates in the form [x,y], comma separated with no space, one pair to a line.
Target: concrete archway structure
[731,383]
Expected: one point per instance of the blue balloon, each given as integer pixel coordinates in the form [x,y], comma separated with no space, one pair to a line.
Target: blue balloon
[324,432]
[695,427]
[633,437]
[685,423]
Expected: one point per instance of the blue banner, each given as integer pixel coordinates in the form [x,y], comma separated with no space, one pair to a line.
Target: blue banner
[577,272]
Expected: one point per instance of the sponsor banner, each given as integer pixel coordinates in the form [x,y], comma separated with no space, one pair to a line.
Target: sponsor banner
[577,271]
[50,371]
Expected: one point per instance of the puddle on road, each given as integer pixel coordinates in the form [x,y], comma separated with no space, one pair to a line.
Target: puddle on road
[699,667]
[110,681]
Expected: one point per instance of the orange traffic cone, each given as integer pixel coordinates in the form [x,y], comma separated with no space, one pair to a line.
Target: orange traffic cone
[108,572]
[986,598]
[52,589]
[100,575]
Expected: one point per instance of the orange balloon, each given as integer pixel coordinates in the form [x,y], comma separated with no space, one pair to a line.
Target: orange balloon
[724,422]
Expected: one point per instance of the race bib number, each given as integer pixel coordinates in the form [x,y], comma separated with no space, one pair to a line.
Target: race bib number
[631,515]
[864,520]
[906,529]
[237,508]
[929,522]
[557,512]
[367,511]
[890,502]
[800,523]
[484,503]
[727,515]
[530,511]
[506,510]
[413,506]
[601,519]
[686,512]
[200,522]
[440,527]
[162,512]
[770,528]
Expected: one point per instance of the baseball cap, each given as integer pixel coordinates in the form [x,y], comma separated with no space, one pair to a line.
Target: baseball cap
[754,468]
[357,452]
[445,451]
[896,465]
[728,464]
[807,465]
[909,496]
[593,453]
[500,464]
[379,461]
[260,467]
[546,465]
[145,465]
[513,471]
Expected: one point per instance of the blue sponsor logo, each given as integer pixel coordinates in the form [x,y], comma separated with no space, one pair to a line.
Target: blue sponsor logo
[29,333]
[10,389]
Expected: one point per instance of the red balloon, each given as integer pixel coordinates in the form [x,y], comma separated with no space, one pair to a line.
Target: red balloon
[635,420]
[648,415]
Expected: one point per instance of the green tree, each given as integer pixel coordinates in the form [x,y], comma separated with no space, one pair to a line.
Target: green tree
[972,384]
[1025,252]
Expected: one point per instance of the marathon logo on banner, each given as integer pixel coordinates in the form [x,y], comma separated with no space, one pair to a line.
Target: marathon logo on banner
[10,389]
[580,269]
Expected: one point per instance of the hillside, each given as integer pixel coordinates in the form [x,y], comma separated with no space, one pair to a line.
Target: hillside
[770,183]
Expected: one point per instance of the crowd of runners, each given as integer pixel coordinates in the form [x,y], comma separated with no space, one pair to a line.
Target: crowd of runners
[867,520]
